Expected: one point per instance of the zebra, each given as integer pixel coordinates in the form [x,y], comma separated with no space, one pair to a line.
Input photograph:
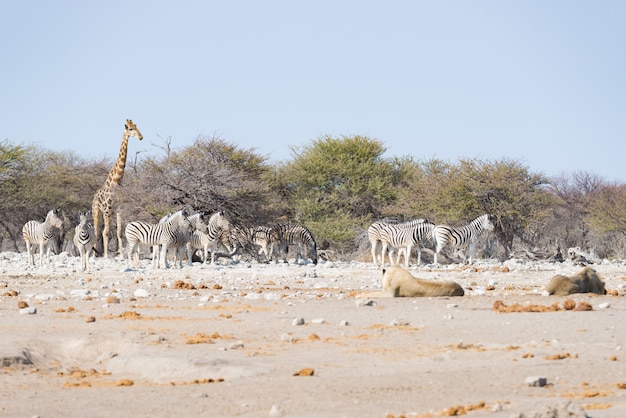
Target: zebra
[404,237]
[183,238]
[84,238]
[163,234]
[262,237]
[35,232]
[285,234]
[216,233]
[374,234]
[444,235]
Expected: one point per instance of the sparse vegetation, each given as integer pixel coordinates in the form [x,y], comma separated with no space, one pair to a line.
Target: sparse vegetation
[336,186]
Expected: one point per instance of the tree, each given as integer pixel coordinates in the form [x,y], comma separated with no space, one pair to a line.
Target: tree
[209,175]
[575,195]
[507,190]
[336,185]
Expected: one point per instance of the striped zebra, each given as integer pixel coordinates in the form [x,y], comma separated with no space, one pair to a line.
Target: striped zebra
[444,235]
[216,234]
[183,238]
[163,234]
[284,235]
[374,234]
[37,233]
[261,236]
[404,237]
[84,238]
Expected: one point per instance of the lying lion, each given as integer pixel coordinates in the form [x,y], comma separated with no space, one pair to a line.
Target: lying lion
[398,282]
[587,281]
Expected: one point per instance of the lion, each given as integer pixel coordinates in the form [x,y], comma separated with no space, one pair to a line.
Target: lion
[398,282]
[586,281]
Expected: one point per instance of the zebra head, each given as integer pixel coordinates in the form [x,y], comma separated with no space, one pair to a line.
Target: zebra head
[53,219]
[486,222]
[84,217]
[218,220]
[197,221]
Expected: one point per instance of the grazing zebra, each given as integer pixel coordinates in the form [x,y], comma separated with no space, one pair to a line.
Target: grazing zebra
[404,237]
[163,234]
[444,235]
[35,232]
[84,239]
[262,237]
[216,233]
[288,234]
[374,234]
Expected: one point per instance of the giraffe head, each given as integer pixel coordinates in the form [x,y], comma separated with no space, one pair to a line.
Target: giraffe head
[130,129]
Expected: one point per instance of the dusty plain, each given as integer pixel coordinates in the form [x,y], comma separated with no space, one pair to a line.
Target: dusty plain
[259,340]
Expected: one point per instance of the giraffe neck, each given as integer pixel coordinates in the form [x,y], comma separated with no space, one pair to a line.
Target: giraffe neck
[117,172]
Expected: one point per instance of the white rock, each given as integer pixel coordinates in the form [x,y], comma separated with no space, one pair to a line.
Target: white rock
[298,321]
[318,321]
[31,310]
[536,381]
[604,305]
[141,293]
[344,323]
[276,411]
[80,293]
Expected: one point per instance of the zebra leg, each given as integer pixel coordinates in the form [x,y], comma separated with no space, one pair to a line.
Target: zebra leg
[189,253]
[374,251]
[407,255]
[181,251]
[382,253]
[41,250]
[29,252]
[163,258]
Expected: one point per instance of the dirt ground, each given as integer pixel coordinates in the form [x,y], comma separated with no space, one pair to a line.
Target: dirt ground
[258,340]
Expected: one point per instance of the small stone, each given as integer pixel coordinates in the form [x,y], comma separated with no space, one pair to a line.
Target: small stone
[604,305]
[398,322]
[362,302]
[344,323]
[28,311]
[276,411]
[90,319]
[236,346]
[298,321]
[21,304]
[536,381]
[318,321]
[141,293]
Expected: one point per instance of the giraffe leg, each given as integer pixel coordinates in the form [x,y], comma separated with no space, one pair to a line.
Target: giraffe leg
[105,233]
[96,214]
[120,243]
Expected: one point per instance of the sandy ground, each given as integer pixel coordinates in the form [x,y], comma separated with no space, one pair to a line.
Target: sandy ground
[225,341]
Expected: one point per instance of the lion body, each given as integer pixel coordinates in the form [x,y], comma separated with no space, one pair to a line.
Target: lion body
[398,282]
[586,281]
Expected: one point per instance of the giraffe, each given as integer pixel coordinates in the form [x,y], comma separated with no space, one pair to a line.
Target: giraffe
[102,206]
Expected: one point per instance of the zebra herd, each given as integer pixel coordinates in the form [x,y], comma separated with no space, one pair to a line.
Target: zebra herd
[404,236]
[184,231]
[179,232]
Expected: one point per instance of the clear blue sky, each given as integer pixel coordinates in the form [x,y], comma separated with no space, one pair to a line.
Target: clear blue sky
[542,82]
